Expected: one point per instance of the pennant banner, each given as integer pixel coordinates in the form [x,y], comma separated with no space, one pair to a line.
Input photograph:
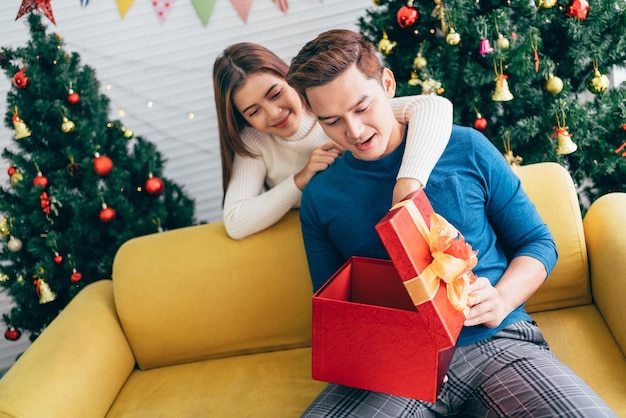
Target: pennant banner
[243,8]
[162,8]
[123,6]
[283,5]
[204,8]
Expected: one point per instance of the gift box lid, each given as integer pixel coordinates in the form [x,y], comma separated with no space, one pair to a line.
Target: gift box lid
[427,251]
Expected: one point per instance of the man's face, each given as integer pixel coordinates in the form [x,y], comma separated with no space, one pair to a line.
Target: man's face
[355,113]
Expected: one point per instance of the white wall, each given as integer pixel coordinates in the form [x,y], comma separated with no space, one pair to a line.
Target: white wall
[170,65]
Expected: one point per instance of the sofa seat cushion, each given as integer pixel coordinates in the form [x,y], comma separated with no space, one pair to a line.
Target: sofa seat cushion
[580,338]
[273,384]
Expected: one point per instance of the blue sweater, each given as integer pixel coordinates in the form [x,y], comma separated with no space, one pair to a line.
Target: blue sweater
[471,186]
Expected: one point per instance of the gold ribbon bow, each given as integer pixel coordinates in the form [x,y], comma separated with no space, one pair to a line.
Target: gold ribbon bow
[453,260]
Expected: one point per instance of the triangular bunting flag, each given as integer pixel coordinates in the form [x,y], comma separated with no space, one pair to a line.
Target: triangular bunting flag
[243,8]
[204,8]
[123,6]
[162,8]
[283,5]
[34,5]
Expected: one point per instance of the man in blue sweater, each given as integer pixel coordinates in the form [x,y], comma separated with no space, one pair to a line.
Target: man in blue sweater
[502,365]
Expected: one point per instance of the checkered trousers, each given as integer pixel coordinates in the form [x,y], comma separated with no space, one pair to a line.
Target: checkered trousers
[512,374]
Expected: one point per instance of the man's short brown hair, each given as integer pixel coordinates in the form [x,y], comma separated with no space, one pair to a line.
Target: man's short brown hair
[327,56]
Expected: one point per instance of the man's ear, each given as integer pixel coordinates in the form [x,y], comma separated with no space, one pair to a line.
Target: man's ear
[389,82]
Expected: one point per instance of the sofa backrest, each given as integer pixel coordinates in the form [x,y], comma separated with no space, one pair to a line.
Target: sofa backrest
[193,293]
[550,187]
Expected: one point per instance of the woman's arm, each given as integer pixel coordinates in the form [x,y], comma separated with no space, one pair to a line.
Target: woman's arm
[429,119]
[248,207]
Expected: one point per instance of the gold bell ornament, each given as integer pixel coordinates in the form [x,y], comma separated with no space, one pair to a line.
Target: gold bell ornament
[564,143]
[385,46]
[502,92]
[21,130]
[67,126]
[44,292]
[599,83]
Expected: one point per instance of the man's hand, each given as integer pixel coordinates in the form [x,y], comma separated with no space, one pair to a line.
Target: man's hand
[321,158]
[403,187]
[486,305]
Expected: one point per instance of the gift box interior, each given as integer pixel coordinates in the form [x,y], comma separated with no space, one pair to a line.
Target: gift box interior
[368,334]
[368,330]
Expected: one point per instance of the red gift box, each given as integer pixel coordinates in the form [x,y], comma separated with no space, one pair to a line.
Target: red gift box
[392,326]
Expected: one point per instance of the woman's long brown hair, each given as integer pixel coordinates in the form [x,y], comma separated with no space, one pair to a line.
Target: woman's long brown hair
[230,72]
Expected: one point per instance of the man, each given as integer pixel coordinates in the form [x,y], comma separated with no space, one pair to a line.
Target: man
[502,365]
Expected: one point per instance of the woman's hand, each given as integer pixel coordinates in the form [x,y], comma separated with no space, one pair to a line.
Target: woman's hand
[321,158]
[403,187]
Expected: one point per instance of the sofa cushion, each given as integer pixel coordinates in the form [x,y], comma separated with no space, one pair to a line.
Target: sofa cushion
[580,338]
[194,293]
[273,385]
[550,187]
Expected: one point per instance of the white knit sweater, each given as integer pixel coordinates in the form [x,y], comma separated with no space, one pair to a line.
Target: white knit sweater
[262,189]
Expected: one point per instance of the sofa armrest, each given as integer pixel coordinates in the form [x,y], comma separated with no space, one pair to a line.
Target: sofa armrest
[76,367]
[605,233]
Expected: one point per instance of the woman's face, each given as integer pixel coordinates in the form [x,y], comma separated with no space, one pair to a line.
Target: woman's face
[269,104]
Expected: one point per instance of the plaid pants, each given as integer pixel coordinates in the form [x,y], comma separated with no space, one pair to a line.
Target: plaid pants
[512,374]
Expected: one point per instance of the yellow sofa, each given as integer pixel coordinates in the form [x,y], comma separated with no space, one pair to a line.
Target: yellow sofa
[194,324]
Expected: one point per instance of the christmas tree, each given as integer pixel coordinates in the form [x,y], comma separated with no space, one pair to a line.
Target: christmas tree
[80,184]
[530,75]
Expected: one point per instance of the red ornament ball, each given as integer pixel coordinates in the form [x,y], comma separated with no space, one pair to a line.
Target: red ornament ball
[624,126]
[76,276]
[20,80]
[407,16]
[154,185]
[73,97]
[578,9]
[11,170]
[58,259]
[480,123]
[102,165]
[107,214]
[40,181]
[12,334]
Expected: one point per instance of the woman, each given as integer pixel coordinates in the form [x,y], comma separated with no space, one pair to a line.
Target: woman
[271,146]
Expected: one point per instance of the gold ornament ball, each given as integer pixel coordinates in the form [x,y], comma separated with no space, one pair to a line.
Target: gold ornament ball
[545,4]
[502,42]
[453,38]
[419,62]
[554,84]
[599,82]
[128,133]
[16,178]
[67,126]
[14,245]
